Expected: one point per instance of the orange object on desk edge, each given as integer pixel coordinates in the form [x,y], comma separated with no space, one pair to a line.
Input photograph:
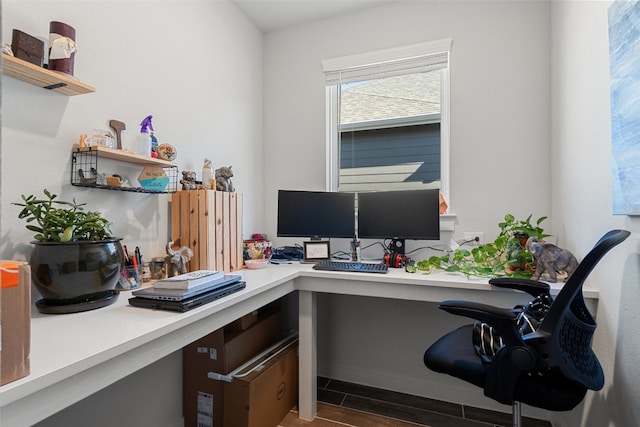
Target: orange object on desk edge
[9,275]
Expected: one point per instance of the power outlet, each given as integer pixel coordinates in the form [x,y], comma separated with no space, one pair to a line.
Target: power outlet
[474,238]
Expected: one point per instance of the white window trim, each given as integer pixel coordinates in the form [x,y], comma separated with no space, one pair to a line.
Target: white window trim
[380,57]
[445,135]
[331,133]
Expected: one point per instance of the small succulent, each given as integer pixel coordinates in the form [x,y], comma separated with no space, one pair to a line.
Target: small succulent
[61,221]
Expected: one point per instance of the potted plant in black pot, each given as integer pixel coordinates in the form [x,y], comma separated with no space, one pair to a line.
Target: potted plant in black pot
[75,262]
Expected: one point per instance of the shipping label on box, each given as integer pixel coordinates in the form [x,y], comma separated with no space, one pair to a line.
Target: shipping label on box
[205,410]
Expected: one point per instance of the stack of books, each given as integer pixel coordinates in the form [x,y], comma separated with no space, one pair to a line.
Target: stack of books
[189,280]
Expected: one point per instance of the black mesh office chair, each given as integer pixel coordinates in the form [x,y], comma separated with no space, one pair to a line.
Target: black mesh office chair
[550,368]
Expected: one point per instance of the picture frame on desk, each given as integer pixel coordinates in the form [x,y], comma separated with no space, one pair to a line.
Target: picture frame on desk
[316,251]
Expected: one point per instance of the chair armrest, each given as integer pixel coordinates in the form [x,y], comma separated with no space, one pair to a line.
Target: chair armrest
[532,287]
[512,360]
[501,319]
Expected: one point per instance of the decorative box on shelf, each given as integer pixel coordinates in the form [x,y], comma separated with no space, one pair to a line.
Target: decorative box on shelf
[210,223]
[27,47]
[158,176]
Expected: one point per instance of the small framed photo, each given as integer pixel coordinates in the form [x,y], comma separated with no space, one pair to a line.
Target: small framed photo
[316,251]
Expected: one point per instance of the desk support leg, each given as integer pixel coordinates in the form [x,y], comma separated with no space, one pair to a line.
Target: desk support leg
[307,360]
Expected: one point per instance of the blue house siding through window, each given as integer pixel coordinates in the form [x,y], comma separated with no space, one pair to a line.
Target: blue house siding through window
[390,158]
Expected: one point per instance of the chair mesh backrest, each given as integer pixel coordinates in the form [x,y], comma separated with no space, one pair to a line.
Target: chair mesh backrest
[574,343]
[570,325]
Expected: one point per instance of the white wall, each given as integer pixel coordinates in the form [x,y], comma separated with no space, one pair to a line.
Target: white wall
[530,134]
[499,98]
[515,148]
[500,161]
[581,155]
[196,67]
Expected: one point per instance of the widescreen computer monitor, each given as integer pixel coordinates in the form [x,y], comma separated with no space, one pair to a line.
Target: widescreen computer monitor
[399,215]
[316,214]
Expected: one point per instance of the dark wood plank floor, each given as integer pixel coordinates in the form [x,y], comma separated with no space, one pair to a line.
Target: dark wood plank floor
[353,405]
[338,416]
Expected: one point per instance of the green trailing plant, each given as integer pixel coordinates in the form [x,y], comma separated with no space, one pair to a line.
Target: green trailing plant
[61,221]
[505,256]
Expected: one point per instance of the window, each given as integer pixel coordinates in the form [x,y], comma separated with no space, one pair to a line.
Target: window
[388,120]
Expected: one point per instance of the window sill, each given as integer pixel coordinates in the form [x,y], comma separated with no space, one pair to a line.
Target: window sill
[448,222]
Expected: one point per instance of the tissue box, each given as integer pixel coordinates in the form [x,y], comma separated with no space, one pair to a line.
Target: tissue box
[27,47]
[15,318]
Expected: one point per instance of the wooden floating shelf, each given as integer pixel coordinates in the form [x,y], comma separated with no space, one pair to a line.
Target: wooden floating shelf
[41,77]
[124,156]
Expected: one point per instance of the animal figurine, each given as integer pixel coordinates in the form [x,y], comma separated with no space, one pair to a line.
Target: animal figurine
[188,180]
[223,179]
[550,258]
[176,261]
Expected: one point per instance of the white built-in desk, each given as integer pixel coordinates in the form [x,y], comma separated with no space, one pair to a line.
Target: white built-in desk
[76,355]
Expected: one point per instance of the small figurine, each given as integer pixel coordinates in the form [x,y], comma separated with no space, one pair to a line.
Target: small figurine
[188,180]
[550,258]
[177,260]
[223,179]
[207,175]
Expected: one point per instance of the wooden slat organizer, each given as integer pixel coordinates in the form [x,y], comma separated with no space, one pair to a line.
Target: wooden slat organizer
[210,223]
[41,77]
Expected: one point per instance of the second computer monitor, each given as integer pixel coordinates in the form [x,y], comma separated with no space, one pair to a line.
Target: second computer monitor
[399,215]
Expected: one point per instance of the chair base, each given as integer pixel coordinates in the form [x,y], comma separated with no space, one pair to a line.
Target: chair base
[517,414]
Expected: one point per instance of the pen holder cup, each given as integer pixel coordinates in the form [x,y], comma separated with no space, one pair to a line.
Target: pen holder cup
[131,277]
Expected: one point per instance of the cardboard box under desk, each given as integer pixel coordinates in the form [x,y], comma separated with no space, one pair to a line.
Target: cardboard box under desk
[243,323]
[266,394]
[221,351]
[15,320]
[210,223]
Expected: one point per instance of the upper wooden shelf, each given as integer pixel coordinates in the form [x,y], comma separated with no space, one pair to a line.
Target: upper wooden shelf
[47,79]
[124,156]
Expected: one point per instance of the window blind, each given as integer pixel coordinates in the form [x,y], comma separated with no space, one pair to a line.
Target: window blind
[410,59]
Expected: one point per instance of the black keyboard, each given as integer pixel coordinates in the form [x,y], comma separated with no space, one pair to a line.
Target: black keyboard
[363,267]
